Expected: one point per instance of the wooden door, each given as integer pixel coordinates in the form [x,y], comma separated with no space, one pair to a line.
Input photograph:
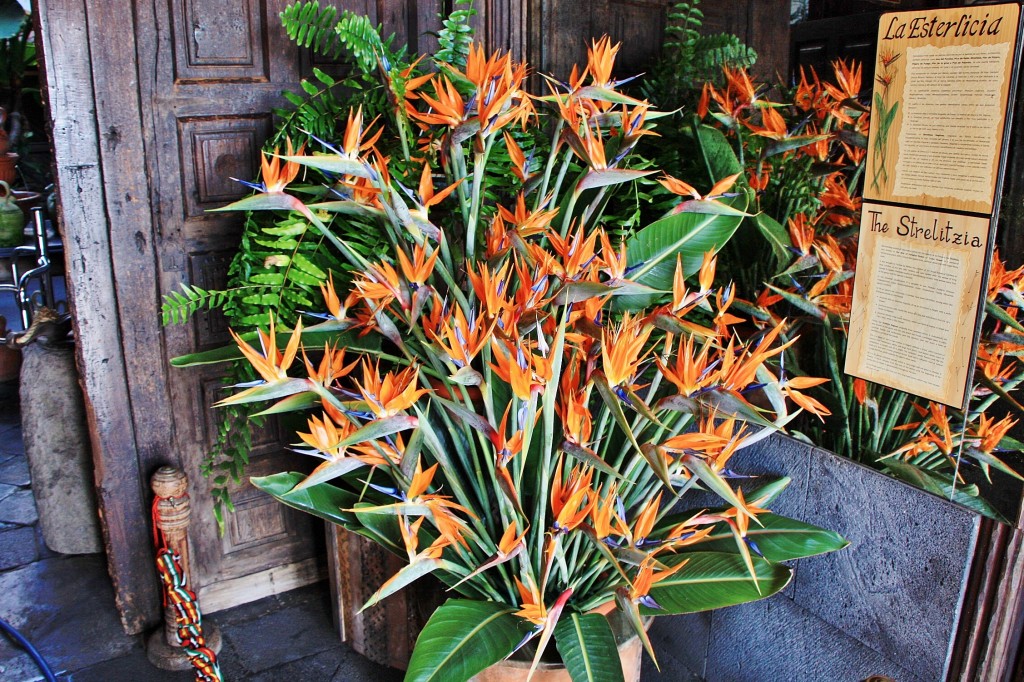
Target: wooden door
[153,107]
[218,66]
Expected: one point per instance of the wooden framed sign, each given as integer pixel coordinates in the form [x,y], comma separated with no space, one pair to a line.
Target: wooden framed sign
[937,150]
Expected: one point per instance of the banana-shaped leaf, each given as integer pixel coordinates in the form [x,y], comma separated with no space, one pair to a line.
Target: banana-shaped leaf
[779,538]
[609,176]
[316,336]
[333,163]
[712,580]
[588,648]
[653,250]
[462,638]
[940,485]
[324,500]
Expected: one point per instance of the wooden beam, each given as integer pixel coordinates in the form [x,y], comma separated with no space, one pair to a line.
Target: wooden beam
[75,92]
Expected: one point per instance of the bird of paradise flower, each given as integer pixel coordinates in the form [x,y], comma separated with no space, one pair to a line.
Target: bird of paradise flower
[885,114]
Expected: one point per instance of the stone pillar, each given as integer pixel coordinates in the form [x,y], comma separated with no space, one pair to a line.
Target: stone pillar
[57,447]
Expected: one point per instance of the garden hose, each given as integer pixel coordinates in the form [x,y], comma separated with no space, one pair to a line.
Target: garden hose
[27,646]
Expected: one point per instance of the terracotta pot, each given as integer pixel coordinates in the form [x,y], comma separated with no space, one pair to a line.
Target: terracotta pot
[9,167]
[630,653]
[26,201]
[10,358]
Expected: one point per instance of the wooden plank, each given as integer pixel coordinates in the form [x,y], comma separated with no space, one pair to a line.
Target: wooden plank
[768,34]
[67,48]
[227,593]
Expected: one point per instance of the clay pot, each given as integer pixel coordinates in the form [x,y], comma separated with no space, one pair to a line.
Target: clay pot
[10,358]
[630,653]
[8,167]
[26,201]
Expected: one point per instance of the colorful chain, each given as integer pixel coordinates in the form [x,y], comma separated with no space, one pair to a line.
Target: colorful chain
[187,617]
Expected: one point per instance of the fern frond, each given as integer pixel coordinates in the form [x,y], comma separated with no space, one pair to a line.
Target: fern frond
[361,39]
[456,36]
[309,26]
[713,52]
[178,307]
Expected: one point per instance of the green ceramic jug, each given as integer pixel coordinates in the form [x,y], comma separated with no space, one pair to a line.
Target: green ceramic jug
[12,220]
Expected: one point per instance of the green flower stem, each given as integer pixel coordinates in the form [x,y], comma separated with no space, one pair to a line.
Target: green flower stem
[567,217]
[479,167]
[549,165]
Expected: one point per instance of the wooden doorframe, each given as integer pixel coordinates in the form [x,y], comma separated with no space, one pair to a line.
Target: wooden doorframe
[106,223]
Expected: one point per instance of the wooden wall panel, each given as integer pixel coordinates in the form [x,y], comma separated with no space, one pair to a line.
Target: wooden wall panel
[224,39]
[761,24]
[215,150]
[640,27]
[209,271]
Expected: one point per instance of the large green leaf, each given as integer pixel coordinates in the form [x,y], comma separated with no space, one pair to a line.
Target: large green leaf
[653,250]
[717,154]
[938,484]
[776,235]
[609,176]
[323,500]
[712,580]
[333,163]
[462,638]
[779,538]
[312,337]
[588,648]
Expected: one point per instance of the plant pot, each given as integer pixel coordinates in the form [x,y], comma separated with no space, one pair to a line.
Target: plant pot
[630,653]
[26,201]
[8,167]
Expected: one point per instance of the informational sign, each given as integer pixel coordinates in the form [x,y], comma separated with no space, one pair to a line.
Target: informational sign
[936,153]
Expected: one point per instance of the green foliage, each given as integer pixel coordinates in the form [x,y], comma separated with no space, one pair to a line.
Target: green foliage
[331,33]
[689,59]
[456,36]
[588,649]
[178,306]
[462,638]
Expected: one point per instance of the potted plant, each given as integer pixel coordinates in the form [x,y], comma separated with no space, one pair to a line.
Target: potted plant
[519,399]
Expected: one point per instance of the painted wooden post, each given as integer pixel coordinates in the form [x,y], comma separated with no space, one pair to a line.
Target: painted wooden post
[173,512]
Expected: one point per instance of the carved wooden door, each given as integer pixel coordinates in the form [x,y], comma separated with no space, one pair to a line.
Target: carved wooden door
[212,71]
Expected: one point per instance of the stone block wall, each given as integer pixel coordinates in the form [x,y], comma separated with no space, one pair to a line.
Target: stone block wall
[888,604]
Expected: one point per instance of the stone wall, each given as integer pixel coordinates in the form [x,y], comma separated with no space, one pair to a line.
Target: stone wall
[888,604]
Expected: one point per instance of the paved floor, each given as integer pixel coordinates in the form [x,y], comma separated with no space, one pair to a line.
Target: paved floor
[64,605]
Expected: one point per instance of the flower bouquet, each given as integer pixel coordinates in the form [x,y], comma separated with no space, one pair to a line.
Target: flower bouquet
[519,399]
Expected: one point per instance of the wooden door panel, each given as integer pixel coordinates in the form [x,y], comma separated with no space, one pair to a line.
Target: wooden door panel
[219,39]
[214,150]
[218,72]
[640,27]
